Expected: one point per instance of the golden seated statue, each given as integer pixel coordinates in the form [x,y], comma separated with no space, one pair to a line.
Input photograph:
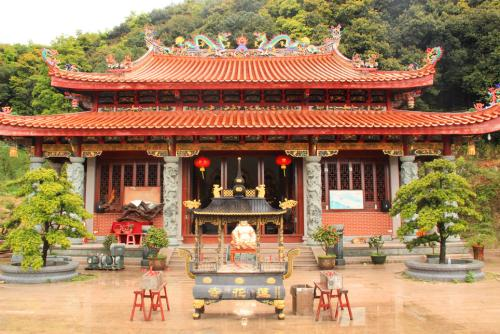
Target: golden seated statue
[243,240]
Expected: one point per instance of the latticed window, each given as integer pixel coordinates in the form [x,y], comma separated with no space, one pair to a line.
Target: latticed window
[115,175]
[369,176]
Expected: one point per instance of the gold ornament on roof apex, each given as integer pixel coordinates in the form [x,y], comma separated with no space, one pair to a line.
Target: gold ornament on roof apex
[261,191]
[288,204]
[194,204]
[216,190]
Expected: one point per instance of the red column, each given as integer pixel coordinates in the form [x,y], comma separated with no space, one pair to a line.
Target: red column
[447,146]
[38,147]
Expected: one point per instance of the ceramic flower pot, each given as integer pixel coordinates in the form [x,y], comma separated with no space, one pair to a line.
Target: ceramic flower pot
[326,262]
[478,252]
[378,258]
[158,263]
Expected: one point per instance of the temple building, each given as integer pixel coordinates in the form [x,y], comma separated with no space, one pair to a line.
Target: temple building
[308,123]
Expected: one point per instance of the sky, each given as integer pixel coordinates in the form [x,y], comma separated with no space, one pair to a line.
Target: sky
[41,21]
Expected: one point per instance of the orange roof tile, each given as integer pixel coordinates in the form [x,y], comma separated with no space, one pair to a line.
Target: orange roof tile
[251,122]
[158,71]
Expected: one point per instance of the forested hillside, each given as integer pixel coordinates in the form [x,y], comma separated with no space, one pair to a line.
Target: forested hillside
[398,30]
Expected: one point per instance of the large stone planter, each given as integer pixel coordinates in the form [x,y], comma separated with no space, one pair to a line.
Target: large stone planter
[433,271]
[58,270]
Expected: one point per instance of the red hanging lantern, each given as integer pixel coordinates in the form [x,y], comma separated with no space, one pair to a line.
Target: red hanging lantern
[202,163]
[283,161]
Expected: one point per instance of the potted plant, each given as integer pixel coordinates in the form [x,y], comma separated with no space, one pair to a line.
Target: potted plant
[377,242]
[478,242]
[155,239]
[424,239]
[108,240]
[327,237]
[432,244]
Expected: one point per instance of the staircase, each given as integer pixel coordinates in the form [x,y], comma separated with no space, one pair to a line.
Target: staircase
[305,261]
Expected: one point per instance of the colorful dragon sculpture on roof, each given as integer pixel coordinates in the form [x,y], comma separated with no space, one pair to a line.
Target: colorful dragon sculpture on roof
[49,56]
[433,55]
[280,45]
[199,41]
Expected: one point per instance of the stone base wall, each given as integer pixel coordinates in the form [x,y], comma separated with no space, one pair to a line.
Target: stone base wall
[360,223]
[104,221]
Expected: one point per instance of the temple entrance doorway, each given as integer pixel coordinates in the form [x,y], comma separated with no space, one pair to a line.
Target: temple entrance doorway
[258,168]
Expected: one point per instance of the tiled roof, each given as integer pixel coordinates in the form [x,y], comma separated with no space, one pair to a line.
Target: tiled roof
[251,122]
[156,71]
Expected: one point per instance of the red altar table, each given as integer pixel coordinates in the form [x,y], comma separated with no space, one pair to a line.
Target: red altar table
[121,231]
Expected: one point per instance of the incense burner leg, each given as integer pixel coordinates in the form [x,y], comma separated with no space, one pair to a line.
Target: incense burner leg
[199,308]
[279,308]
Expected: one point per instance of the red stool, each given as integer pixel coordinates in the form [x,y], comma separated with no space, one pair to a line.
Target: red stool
[130,240]
[138,294]
[341,304]
[117,230]
[325,299]
[155,304]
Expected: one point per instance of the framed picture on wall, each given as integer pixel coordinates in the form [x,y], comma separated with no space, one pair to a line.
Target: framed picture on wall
[346,199]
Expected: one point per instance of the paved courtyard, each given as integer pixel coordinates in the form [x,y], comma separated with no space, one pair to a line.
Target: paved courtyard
[382,300]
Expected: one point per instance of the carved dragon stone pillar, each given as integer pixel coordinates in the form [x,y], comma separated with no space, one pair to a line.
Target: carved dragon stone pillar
[313,194]
[76,174]
[409,169]
[171,180]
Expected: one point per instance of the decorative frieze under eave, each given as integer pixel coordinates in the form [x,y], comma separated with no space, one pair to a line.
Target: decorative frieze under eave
[192,149]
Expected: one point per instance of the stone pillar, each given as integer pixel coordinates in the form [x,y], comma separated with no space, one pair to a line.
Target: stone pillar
[90,191]
[409,169]
[56,166]
[36,162]
[394,182]
[409,172]
[449,157]
[313,195]
[171,198]
[76,175]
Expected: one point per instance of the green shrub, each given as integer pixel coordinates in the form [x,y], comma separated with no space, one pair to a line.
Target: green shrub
[108,240]
[155,239]
[327,236]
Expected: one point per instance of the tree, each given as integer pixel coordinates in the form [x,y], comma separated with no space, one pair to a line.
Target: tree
[49,213]
[439,203]
[485,181]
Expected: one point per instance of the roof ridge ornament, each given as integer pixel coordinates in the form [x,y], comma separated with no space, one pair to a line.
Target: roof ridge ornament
[279,45]
[49,56]
[369,63]
[333,42]
[433,55]
[493,97]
